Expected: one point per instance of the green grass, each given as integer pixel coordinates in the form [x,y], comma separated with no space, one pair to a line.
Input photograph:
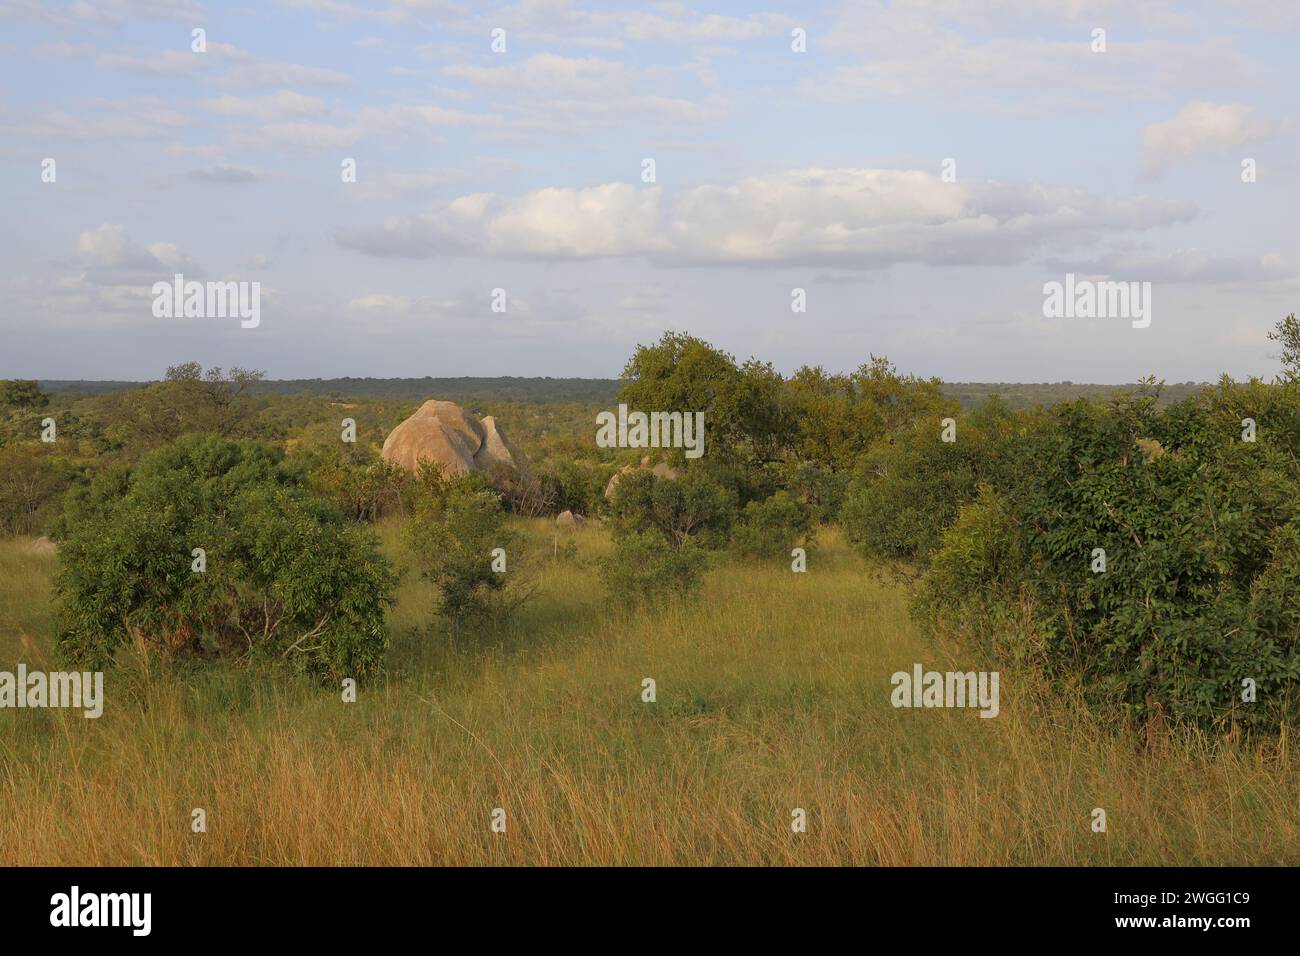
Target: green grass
[773,693]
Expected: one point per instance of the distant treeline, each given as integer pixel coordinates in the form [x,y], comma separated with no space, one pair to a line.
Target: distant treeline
[601,391]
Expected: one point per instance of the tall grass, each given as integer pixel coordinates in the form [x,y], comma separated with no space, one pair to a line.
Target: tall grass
[772,693]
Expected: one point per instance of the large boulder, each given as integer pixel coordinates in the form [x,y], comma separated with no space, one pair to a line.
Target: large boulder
[496,450]
[444,433]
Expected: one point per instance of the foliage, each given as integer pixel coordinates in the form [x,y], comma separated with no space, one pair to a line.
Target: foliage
[287,579]
[357,481]
[188,401]
[452,536]
[30,484]
[909,490]
[743,416]
[22,394]
[645,568]
[693,507]
[1199,530]
[770,529]
[1287,332]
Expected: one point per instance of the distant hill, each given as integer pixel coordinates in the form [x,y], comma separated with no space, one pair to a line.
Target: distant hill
[596,391]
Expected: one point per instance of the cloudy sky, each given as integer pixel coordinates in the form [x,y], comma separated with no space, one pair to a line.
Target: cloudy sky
[524,169]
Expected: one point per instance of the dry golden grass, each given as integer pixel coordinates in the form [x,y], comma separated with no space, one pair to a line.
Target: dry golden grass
[773,693]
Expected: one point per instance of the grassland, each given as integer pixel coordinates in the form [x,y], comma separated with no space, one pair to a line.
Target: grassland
[772,693]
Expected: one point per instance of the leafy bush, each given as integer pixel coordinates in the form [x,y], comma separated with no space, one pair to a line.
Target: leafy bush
[452,537]
[644,568]
[911,489]
[287,579]
[771,528]
[1200,532]
[576,486]
[693,507]
[358,482]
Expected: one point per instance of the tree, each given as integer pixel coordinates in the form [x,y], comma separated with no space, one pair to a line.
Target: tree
[1287,331]
[29,485]
[22,394]
[643,568]
[743,415]
[282,577]
[187,401]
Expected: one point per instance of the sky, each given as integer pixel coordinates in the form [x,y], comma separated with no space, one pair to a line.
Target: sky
[920,169]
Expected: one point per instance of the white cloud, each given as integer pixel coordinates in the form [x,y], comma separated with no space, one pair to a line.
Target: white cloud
[1198,129]
[851,218]
[109,257]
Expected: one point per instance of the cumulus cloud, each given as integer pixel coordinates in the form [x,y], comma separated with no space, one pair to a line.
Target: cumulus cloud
[109,257]
[849,218]
[1200,128]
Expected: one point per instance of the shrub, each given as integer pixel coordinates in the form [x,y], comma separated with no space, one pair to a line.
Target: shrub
[644,568]
[771,528]
[358,482]
[287,579]
[452,537]
[909,490]
[693,507]
[576,486]
[1201,533]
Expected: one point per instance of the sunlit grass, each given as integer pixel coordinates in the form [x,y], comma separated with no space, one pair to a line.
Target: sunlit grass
[772,693]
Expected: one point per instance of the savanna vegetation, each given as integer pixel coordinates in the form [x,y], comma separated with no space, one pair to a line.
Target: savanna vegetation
[1130,564]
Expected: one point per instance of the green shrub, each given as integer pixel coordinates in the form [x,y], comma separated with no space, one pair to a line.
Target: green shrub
[644,568]
[452,537]
[355,480]
[1201,534]
[694,507]
[770,529]
[576,486]
[287,579]
[910,489]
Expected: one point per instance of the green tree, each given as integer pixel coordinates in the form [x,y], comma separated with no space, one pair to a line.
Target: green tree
[30,484]
[187,401]
[644,568]
[1287,332]
[22,394]
[743,414]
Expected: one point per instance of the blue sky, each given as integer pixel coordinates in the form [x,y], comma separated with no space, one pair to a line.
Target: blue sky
[522,170]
